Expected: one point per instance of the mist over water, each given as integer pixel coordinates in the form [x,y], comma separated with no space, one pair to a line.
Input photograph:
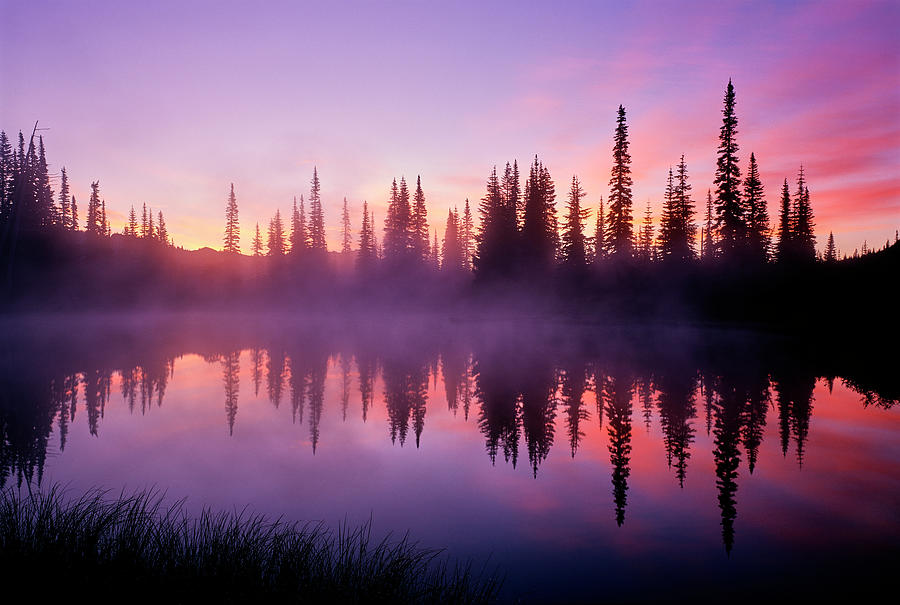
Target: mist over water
[579,458]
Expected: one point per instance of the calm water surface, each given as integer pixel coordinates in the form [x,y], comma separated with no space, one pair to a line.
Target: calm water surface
[586,463]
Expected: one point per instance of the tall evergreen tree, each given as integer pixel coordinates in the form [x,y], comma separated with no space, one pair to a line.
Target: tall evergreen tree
[151,230]
[493,248]
[7,178]
[299,232]
[316,217]
[468,233]
[145,231]
[276,243]
[256,247]
[453,260]
[74,218]
[688,225]
[670,223]
[757,213]
[538,235]
[784,245]
[162,233]
[368,254]
[104,223]
[232,226]
[619,232]
[435,256]
[45,208]
[93,212]
[730,215]
[346,247]
[131,228]
[830,250]
[64,212]
[419,224]
[804,238]
[600,234]
[574,249]
[398,224]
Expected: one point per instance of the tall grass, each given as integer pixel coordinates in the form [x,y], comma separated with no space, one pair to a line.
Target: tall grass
[132,547]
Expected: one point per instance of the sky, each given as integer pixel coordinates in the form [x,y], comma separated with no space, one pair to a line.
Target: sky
[168,103]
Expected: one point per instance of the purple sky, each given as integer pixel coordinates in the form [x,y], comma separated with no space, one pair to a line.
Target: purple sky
[167,104]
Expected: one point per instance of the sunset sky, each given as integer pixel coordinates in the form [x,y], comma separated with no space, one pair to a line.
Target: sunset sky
[167,103]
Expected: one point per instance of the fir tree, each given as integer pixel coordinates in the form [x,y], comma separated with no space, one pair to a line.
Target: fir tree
[467,231]
[64,199]
[145,233]
[419,224]
[45,210]
[131,228]
[151,230]
[804,238]
[574,254]
[707,238]
[104,224]
[688,227]
[452,253]
[74,218]
[730,215]
[367,256]
[757,213]
[232,226]
[600,234]
[299,235]
[93,213]
[830,250]
[256,246]
[345,230]
[316,217]
[7,178]
[670,223]
[161,233]
[276,243]
[783,248]
[538,235]
[619,233]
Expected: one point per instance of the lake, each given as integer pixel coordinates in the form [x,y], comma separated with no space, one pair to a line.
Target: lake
[586,463]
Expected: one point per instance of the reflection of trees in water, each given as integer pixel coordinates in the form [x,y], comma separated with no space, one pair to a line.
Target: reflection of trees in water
[573,386]
[617,395]
[675,399]
[538,412]
[231,375]
[405,395]
[499,409]
[516,389]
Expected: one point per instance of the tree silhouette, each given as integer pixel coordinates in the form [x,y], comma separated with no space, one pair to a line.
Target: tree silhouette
[276,243]
[538,410]
[64,213]
[256,247]
[803,238]
[345,230]
[7,179]
[599,234]
[94,225]
[730,214]
[232,226]
[538,235]
[619,237]
[418,225]
[467,232]
[299,234]
[131,228]
[452,253]
[830,250]
[397,225]
[368,255]
[497,236]
[784,246]
[757,213]
[316,218]
[574,253]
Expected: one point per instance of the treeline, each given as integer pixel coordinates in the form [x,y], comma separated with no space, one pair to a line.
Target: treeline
[519,237]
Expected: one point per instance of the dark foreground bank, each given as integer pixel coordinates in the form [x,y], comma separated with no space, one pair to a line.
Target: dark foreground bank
[133,548]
